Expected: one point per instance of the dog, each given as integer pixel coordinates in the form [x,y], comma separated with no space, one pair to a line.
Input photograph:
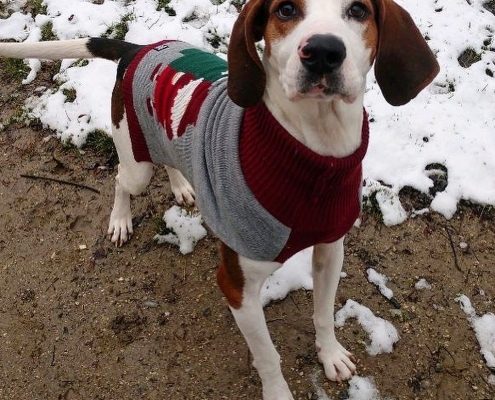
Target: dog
[273,149]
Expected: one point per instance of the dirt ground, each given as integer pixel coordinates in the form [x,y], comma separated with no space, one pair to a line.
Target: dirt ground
[144,322]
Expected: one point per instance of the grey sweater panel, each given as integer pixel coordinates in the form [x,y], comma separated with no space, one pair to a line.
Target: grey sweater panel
[223,196]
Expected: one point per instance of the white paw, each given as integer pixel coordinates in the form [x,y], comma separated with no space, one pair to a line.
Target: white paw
[277,392]
[181,188]
[338,362]
[120,227]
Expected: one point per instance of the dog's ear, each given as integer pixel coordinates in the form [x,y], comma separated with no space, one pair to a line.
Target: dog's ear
[404,64]
[247,77]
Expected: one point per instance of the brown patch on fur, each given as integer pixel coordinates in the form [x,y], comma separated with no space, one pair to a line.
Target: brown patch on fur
[371,32]
[117,104]
[276,28]
[229,276]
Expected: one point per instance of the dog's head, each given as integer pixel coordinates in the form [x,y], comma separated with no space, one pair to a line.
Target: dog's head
[323,49]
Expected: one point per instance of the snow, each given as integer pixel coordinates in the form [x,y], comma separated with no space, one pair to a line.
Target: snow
[362,389]
[295,274]
[380,281]
[484,328]
[382,333]
[16,27]
[186,229]
[422,284]
[451,128]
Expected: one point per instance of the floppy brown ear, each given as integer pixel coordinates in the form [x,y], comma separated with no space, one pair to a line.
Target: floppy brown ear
[247,77]
[404,64]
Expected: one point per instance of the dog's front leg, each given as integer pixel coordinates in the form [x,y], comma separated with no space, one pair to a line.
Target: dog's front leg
[241,280]
[181,188]
[327,265]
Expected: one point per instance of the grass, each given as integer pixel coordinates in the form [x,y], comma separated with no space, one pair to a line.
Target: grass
[371,207]
[120,29]
[47,32]
[14,69]
[70,95]
[164,5]
[103,145]
[214,39]
[468,57]
[490,6]
[36,7]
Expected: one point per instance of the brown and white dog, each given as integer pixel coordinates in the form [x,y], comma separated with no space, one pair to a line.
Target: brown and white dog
[312,79]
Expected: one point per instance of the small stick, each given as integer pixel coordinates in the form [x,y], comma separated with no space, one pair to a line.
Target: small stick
[452,246]
[43,178]
[53,357]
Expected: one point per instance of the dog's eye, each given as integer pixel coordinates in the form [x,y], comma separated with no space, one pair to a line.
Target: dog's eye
[286,10]
[358,11]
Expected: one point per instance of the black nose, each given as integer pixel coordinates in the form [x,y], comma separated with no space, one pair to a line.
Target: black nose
[323,54]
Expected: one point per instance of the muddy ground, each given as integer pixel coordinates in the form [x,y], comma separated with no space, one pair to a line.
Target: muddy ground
[81,319]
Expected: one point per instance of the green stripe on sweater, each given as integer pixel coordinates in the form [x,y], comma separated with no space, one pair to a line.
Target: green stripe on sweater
[201,64]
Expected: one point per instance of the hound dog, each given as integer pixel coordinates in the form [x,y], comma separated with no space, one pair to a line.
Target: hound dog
[273,149]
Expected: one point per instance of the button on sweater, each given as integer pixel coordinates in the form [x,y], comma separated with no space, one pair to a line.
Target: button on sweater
[262,192]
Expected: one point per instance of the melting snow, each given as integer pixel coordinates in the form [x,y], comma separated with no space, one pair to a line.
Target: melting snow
[484,327]
[380,281]
[450,123]
[422,284]
[382,333]
[186,229]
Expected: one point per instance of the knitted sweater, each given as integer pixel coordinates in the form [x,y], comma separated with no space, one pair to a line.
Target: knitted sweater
[263,193]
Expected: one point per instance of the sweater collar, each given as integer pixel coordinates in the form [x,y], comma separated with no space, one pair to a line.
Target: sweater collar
[276,136]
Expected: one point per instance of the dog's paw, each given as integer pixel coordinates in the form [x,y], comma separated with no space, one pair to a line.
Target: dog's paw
[277,392]
[120,228]
[181,188]
[339,364]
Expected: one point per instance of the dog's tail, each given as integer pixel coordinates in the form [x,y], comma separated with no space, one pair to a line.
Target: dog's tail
[110,49]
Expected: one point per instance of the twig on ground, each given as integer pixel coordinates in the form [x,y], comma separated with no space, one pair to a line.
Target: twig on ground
[452,246]
[44,178]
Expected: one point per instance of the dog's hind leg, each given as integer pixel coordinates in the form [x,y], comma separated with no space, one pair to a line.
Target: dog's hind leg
[132,179]
[241,279]
[327,265]
[181,188]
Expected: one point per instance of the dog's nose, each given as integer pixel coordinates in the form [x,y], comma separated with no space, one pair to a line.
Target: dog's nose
[322,54]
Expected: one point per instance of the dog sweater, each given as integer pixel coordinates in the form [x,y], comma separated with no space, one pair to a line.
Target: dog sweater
[262,192]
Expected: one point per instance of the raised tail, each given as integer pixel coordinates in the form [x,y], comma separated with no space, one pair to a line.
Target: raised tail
[110,49]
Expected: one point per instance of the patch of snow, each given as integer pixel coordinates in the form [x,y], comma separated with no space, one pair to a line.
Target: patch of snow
[491,380]
[422,284]
[73,121]
[362,388]
[186,229]
[450,123]
[388,200]
[417,213]
[75,18]
[484,328]
[380,281]
[382,333]
[296,273]
[320,392]
[16,27]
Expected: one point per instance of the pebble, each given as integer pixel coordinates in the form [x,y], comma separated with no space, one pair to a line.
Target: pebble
[150,304]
